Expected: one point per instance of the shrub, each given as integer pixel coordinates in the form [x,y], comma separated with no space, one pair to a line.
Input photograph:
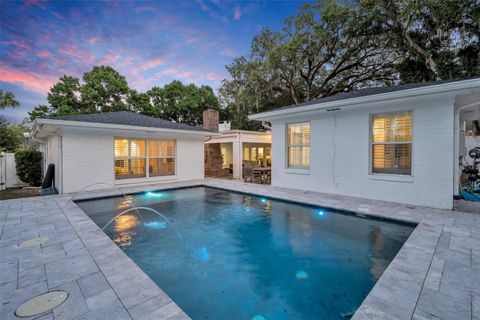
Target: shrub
[29,166]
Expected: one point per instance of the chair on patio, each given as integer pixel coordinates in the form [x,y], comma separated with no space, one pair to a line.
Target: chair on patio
[257,176]
[247,173]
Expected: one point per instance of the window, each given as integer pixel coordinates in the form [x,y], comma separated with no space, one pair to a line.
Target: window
[129,158]
[392,143]
[161,158]
[298,145]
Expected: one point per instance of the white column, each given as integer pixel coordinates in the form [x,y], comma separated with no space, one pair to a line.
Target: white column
[237,156]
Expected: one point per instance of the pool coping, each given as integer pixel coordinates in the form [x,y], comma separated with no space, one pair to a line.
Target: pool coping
[396,295]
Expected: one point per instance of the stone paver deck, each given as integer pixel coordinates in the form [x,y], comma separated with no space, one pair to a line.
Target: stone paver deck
[435,275]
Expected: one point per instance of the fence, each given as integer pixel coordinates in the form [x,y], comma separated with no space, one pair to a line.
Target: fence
[8,172]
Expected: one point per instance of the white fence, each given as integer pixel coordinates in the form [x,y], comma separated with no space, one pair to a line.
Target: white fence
[8,172]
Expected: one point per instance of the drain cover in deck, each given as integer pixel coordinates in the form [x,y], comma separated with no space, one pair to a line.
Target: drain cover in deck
[32,242]
[41,304]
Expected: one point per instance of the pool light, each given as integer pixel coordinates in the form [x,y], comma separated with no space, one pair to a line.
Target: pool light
[201,254]
[258,317]
[301,275]
[263,200]
[320,213]
[153,194]
[155,224]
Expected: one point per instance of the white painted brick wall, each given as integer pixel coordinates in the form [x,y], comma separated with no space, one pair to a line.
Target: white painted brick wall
[339,156]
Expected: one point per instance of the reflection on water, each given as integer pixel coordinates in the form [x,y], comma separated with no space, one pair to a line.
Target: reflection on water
[124,203]
[124,239]
[125,222]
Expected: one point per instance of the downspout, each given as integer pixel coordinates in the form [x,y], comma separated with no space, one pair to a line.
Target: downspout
[456,151]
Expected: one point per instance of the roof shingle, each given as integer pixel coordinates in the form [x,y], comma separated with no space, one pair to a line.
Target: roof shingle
[130,119]
[368,92]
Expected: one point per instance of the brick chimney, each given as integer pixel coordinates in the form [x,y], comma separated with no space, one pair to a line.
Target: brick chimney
[211,119]
[213,155]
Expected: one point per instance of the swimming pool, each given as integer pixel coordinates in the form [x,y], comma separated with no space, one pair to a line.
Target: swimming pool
[246,257]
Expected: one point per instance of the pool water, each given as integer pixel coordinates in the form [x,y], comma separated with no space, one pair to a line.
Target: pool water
[246,257]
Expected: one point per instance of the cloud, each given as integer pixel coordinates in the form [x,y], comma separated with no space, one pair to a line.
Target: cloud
[94,39]
[19,42]
[228,52]
[152,63]
[35,3]
[237,13]
[57,15]
[108,59]
[38,83]
[44,54]
[175,72]
[214,76]
[141,9]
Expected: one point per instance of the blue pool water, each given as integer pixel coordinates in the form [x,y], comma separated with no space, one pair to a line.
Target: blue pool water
[247,257]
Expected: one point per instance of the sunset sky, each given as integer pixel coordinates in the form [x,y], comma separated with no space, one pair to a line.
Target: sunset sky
[151,43]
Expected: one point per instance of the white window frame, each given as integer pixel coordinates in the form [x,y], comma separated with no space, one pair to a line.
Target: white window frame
[163,157]
[394,176]
[297,169]
[147,160]
[129,157]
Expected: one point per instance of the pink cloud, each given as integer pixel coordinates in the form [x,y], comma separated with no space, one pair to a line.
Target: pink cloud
[19,42]
[108,59]
[39,83]
[152,63]
[68,49]
[237,14]
[57,15]
[94,39]
[175,72]
[59,61]
[214,76]
[141,9]
[44,54]
[37,3]
[77,53]
[228,52]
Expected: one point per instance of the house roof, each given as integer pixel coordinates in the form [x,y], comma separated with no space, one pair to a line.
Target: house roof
[357,94]
[129,119]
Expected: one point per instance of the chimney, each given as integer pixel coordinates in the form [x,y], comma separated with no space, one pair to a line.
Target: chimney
[210,120]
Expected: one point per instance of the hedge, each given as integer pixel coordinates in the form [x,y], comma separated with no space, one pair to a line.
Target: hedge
[29,166]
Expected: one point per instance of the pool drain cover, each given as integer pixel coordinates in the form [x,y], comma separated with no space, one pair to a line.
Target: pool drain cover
[41,304]
[32,242]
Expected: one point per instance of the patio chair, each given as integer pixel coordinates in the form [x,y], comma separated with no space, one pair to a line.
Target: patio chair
[247,174]
[257,176]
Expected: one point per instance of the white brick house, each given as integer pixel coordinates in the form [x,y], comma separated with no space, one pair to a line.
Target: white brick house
[118,148]
[398,144]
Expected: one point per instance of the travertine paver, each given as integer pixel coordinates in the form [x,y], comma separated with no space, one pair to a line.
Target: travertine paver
[435,275]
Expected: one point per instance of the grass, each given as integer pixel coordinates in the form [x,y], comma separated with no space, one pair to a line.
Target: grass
[15,193]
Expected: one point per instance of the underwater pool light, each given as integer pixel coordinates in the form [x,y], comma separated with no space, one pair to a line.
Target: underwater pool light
[263,200]
[153,194]
[155,224]
[320,213]
[258,317]
[301,275]
[201,254]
